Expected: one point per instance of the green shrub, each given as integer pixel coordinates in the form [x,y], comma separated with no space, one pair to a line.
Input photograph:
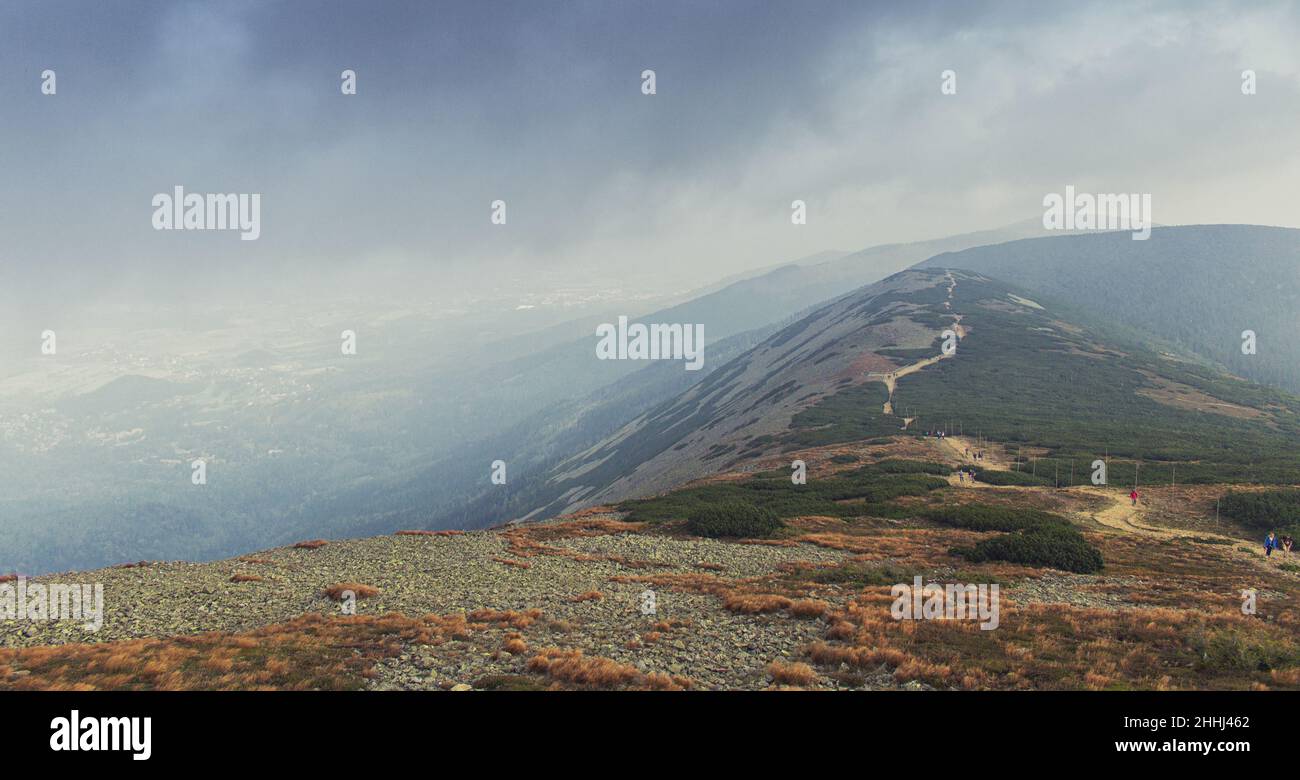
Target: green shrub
[864,574]
[1000,477]
[733,519]
[864,491]
[1054,547]
[987,517]
[902,466]
[1036,538]
[1262,510]
[1229,649]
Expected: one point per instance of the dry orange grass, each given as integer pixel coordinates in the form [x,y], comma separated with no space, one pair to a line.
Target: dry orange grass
[515,645]
[755,603]
[310,544]
[311,652]
[670,624]
[245,578]
[1060,646]
[690,583]
[591,595]
[800,674]
[526,541]
[809,608]
[658,681]
[517,564]
[339,591]
[918,546]
[573,667]
[8,578]
[512,618]
[1289,677]
[816,523]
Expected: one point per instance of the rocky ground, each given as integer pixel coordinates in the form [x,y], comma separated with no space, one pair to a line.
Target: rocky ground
[421,574]
[564,604]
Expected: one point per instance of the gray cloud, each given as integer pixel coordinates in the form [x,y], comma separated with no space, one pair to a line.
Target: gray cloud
[539,103]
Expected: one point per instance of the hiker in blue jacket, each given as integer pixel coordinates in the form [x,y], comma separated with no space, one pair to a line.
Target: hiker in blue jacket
[1270,544]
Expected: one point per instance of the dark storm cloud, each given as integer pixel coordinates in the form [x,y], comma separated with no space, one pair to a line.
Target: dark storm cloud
[538,103]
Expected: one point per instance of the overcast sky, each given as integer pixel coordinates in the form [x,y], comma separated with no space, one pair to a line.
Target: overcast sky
[539,104]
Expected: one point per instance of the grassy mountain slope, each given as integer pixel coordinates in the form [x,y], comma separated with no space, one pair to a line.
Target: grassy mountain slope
[1196,287]
[1068,390]
[588,400]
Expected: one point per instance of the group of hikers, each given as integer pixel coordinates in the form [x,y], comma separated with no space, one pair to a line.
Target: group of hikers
[1272,542]
[941,434]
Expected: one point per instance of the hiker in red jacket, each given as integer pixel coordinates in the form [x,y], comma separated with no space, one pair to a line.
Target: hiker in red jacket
[1134,496]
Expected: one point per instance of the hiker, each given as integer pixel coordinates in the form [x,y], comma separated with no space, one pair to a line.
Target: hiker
[1270,544]
[1134,496]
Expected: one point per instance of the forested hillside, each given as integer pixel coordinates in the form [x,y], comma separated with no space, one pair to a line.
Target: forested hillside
[1197,287]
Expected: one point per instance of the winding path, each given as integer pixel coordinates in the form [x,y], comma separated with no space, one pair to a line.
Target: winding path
[890,378]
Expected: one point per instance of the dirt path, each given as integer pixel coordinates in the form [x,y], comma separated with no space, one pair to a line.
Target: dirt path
[959,446]
[891,378]
[1120,514]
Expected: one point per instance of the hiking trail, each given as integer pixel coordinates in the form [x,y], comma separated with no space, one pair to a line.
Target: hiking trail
[890,379]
